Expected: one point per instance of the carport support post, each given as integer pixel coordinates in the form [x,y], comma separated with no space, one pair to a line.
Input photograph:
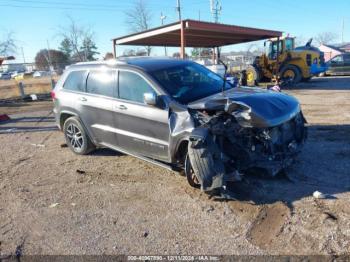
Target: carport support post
[277,61]
[183,41]
[114,49]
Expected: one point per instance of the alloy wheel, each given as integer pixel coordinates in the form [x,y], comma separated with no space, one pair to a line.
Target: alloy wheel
[75,137]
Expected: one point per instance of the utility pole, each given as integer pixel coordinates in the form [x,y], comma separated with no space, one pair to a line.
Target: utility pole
[199,15]
[178,9]
[215,9]
[50,64]
[342,31]
[24,60]
[162,18]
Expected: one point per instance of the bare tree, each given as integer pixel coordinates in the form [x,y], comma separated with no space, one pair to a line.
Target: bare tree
[129,52]
[7,44]
[300,41]
[326,37]
[138,19]
[77,36]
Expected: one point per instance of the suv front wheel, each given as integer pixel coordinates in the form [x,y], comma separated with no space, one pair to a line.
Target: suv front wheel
[76,137]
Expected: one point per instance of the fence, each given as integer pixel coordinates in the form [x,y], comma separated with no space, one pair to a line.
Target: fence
[20,89]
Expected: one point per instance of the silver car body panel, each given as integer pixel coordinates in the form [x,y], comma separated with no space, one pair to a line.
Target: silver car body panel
[155,133]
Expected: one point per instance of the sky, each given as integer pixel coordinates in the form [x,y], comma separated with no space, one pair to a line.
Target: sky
[36,23]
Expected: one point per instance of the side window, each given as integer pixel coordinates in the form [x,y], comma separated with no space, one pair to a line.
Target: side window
[101,82]
[132,86]
[75,81]
[347,58]
[337,59]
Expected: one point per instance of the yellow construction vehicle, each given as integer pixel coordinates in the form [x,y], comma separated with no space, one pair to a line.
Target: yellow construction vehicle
[284,62]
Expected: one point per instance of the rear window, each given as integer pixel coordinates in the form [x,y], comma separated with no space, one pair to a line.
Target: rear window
[75,81]
[101,82]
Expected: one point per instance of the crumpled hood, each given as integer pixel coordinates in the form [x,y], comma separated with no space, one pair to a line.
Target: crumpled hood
[252,106]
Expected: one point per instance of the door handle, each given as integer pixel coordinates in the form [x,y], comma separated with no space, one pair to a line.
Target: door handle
[122,107]
[82,99]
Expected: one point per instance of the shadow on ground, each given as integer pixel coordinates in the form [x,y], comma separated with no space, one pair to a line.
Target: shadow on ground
[324,83]
[322,166]
[27,124]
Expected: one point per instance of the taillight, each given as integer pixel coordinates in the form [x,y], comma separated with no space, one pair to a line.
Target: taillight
[53,95]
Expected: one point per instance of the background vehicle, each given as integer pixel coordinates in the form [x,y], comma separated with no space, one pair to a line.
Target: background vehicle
[286,62]
[179,115]
[339,65]
[5,76]
[38,74]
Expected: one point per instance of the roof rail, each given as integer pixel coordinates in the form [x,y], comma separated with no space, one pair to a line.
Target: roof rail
[102,62]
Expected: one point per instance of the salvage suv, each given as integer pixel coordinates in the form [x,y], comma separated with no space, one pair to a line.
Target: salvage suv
[179,115]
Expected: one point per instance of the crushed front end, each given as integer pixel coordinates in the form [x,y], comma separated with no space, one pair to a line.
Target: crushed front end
[238,138]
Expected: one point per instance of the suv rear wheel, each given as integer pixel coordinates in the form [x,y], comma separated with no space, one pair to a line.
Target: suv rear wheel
[76,137]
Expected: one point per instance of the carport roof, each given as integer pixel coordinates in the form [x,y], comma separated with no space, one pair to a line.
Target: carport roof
[196,34]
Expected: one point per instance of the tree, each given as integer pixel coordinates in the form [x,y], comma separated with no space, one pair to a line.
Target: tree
[89,48]
[80,40]
[46,58]
[138,19]
[176,55]
[7,44]
[141,52]
[326,37]
[195,52]
[300,41]
[129,52]
[108,56]
[66,47]
[205,52]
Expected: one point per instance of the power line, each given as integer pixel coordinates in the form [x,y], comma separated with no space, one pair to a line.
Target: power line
[65,4]
[58,7]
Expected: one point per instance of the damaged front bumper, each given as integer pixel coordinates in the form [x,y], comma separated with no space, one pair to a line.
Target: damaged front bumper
[238,139]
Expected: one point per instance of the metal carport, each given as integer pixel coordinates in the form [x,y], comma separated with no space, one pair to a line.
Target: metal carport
[191,33]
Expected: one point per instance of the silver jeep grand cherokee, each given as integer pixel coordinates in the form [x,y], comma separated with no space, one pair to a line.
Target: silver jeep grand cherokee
[179,115]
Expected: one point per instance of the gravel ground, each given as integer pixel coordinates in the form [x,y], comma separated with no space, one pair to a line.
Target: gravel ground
[55,202]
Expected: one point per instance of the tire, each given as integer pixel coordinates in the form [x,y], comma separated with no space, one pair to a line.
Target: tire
[291,73]
[253,76]
[190,175]
[76,137]
[204,162]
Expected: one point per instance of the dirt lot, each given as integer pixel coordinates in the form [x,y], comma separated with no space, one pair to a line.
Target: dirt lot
[55,202]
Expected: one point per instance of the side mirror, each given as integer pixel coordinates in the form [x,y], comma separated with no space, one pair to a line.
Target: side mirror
[150,98]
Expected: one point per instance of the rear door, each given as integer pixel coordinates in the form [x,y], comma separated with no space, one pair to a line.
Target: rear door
[142,129]
[346,58]
[97,104]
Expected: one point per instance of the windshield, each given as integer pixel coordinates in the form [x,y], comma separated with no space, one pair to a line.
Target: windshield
[289,44]
[189,82]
